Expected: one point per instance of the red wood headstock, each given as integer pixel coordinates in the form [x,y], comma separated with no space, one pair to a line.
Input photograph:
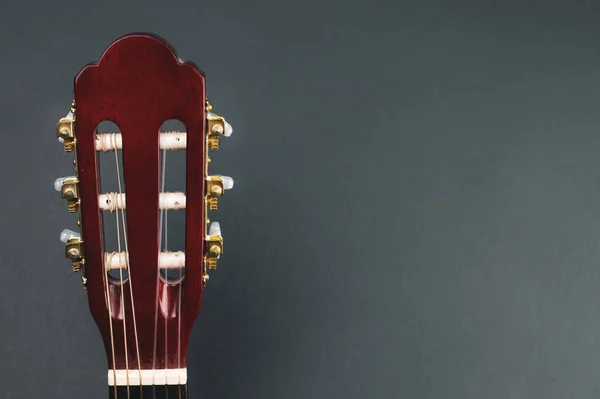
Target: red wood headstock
[145,319]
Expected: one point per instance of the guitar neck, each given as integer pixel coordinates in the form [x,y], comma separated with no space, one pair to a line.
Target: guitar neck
[148,392]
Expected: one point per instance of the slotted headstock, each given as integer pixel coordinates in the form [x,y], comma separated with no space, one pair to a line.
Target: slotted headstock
[144,314]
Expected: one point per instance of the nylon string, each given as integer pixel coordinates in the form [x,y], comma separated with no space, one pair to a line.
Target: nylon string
[135,332]
[114,207]
[160,229]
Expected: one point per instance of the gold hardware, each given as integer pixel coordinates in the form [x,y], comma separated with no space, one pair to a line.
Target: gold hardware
[205,278]
[74,252]
[70,193]
[214,189]
[65,130]
[216,128]
[214,249]
[84,280]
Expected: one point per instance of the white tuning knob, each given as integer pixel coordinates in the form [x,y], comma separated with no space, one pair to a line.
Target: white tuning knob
[228,129]
[59,182]
[227,182]
[67,234]
[214,229]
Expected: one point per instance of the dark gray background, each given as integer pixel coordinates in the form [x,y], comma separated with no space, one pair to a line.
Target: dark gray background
[416,204]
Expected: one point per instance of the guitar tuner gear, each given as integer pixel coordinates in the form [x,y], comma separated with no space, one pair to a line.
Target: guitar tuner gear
[67,186]
[215,187]
[216,127]
[214,245]
[73,248]
[65,131]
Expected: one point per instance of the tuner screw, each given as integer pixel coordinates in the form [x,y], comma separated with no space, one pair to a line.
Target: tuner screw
[205,278]
[215,251]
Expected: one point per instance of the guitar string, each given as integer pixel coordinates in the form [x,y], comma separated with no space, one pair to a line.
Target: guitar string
[121,286]
[135,332]
[112,339]
[167,298]
[180,292]
[110,323]
[160,229]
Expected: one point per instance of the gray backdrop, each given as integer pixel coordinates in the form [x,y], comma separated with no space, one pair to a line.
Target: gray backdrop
[416,204]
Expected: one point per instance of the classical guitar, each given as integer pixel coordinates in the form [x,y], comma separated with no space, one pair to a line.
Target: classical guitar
[143,297]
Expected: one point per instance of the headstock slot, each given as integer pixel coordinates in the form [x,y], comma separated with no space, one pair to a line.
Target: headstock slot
[112,193]
[172,213]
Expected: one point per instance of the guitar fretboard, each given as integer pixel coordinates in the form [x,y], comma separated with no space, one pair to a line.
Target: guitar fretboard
[149,392]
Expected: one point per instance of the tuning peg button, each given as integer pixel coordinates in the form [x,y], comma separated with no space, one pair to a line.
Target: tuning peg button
[227,182]
[67,235]
[214,229]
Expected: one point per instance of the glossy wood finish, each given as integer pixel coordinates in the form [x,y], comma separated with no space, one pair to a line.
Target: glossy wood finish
[139,83]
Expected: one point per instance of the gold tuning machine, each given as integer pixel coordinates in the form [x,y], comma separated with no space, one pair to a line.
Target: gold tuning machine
[215,187]
[213,246]
[216,127]
[67,186]
[73,248]
[65,130]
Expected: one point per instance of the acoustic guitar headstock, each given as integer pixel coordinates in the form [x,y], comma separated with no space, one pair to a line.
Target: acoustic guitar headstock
[143,297]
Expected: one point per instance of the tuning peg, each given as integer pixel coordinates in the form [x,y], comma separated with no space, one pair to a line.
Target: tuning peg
[214,245]
[73,248]
[227,128]
[67,186]
[217,127]
[215,187]
[65,130]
